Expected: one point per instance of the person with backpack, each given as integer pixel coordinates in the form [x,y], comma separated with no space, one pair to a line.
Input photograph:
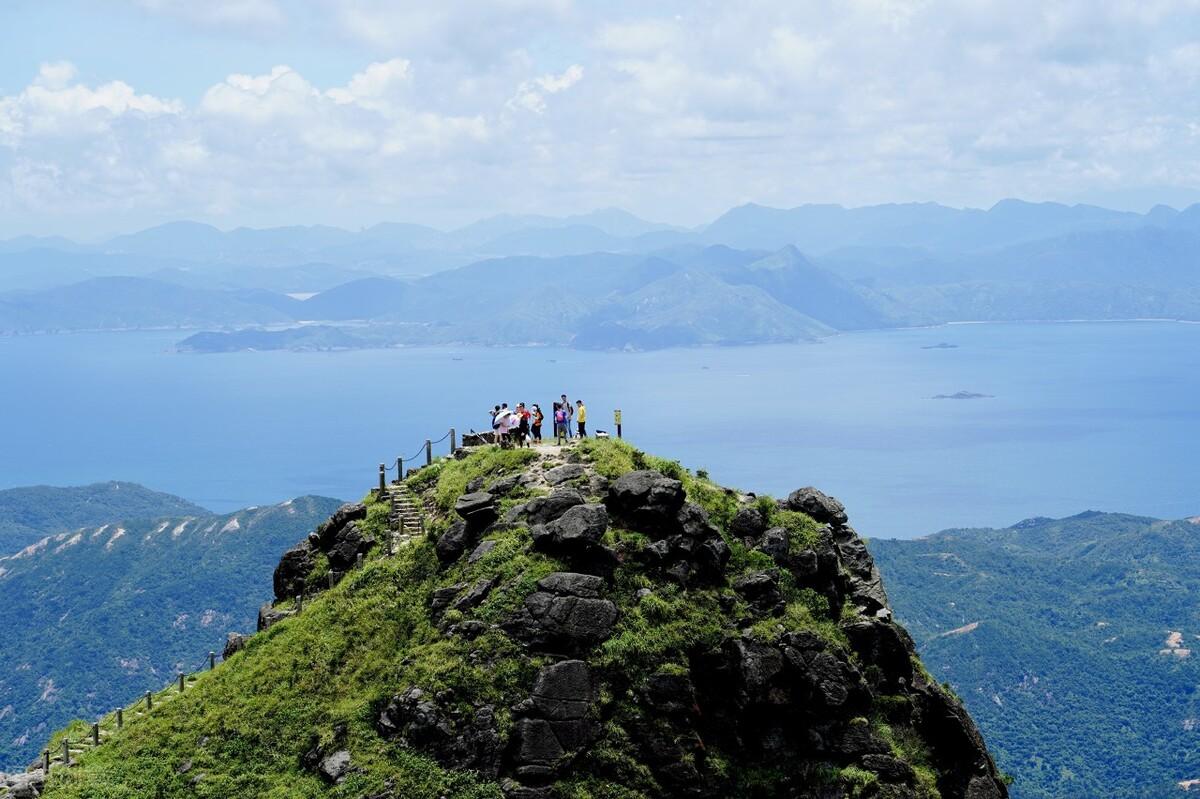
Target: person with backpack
[537,418]
[569,410]
[523,416]
[560,423]
[581,418]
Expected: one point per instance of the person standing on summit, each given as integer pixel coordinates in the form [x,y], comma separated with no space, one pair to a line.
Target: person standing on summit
[581,418]
[569,410]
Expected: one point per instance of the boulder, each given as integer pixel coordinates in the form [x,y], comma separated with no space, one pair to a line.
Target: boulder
[565,615]
[760,589]
[543,510]
[478,552]
[576,536]
[821,507]
[775,542]
[458,741]
[292,572]
[478,510]
[234,643]
[347,545]
[269,616]
[341,517]
[561,474]
[647,499]
[882,644]
[563,690]
[28,785]
[693,522]
[748,523]
[334,767]
[452,543]
[505,485]
[478,593]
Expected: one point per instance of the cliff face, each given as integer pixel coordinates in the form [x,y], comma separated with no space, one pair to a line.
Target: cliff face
[593,622]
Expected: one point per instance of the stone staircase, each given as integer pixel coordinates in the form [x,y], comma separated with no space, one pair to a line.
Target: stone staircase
[406,520]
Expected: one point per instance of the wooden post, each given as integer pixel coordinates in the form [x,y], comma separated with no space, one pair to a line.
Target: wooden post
[212,660]
[46,762]
[149,702]
[120,717]
[66,752]
[453,441]
[358,561]
[400,470]
[332,581]
[95,733]
[299,602]
[181,682]
[382,481]
[421,521]
[428,452]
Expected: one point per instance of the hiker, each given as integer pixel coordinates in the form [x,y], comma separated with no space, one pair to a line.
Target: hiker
[537,417]
[522,425]
[495,413]
[581,418]
[569,410]
[560,423]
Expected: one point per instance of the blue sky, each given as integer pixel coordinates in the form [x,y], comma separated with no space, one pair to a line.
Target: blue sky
[118,114]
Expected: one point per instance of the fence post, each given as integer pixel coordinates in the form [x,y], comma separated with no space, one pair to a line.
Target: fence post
[66,751]
[453,441]
[95,733]
[120,717]
[400,469]
[358,561]
[382,481]
[181,682]
[212,660]
[617,421]
[46,762]
[421,522]
[428,452]
[331,579]
[149,702]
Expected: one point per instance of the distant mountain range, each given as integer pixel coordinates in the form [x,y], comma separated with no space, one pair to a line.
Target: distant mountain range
[136,585]
[611,280]
[1075,644]
[29,514]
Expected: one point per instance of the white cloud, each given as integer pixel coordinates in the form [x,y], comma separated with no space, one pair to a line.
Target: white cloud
[531,94]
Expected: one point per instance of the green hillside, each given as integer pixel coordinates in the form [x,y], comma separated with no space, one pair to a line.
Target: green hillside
[596,623]
[97,615]
[1071,642]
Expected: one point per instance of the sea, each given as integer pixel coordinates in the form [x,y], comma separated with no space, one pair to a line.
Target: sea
[915,430]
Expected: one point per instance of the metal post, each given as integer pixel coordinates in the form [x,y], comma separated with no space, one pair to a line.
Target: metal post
[382,480]
[181,682]
[428,452]
[149,702]
[120,717]
[95,733]
[453,441]
[46,762]
[212,660]
[66,752]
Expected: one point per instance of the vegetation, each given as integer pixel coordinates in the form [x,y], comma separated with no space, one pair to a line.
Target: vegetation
[1054,633]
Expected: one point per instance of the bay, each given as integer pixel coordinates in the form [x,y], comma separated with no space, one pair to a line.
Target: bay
[1075,416]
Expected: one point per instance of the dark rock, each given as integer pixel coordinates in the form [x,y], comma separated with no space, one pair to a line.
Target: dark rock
[693,522]
[475,485]
[710,560]
[748,523]
[775,543]
[543,510]
[881,643]
[561,474]
[670,694]
[565,615]
[505,485]
[571,584]
[858,739]
[647,499]
[469,629]
[234,643]
[821,507]
[579,526]
[292,572]
[333,768]
[326,532]
[760,589]
[889,768]
[469,742]
[269,616]
[347,545]
[481,550]
[478,509]
[477,594]
[452,543]
[441,598]
[563,690]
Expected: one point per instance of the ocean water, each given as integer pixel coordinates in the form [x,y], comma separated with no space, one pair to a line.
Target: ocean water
[1080,416]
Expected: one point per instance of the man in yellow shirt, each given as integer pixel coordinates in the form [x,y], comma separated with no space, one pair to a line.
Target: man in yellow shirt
[581,418]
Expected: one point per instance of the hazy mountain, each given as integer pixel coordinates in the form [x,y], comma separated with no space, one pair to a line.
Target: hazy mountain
[1074,642]
[28,514]
[369,298]
[94,616]
[120,303]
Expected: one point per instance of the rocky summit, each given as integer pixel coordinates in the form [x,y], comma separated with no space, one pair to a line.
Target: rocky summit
[584,622]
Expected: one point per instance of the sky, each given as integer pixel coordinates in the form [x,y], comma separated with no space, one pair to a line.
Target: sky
[120,114]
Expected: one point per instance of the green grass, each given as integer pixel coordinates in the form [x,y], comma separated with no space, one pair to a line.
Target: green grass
[452,476]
